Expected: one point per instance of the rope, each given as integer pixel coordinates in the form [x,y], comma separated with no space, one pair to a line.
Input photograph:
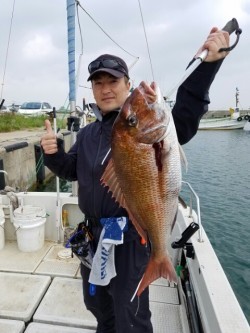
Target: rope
[39,164]
[8,44]
[81,53]
[11,194]
[79,25]
[79,62]
[150,60]
[78,3]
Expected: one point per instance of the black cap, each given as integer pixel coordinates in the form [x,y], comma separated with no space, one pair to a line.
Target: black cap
[109,64]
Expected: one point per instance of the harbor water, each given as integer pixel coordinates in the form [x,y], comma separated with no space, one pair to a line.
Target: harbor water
[219,172]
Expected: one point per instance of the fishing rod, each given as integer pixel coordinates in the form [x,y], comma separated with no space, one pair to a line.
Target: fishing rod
[230,27]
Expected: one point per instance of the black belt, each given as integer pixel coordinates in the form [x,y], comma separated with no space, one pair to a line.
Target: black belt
[95,222]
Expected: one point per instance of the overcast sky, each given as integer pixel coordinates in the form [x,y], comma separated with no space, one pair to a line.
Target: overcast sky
[37,66]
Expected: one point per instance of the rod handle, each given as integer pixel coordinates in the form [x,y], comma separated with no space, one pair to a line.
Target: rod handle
[231,26]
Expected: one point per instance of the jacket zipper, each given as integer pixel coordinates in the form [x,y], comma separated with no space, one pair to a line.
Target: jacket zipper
[93,177]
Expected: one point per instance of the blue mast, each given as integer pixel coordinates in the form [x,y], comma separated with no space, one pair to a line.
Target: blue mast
[71,53]
[73,121]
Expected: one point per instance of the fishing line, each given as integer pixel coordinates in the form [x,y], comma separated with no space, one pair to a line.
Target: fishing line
[145,34]
[106,156]
[8,44]
[138,305]
[136,289]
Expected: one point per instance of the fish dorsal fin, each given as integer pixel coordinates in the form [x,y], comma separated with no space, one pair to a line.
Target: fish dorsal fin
[109,179]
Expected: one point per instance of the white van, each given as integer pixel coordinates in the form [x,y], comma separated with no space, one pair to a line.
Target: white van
[35,108]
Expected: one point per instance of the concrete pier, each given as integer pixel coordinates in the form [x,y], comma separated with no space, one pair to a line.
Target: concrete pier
[222,114]
[21,158]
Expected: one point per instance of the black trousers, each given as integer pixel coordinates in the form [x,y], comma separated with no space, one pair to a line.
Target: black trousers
[111,304]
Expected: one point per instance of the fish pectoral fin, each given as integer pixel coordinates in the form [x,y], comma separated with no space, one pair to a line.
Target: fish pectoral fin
[109,179]
[156,269]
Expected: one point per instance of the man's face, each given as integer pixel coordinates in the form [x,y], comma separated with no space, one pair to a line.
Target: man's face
[110,92]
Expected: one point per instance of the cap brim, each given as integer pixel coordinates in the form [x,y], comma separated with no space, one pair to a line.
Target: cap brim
[110,71]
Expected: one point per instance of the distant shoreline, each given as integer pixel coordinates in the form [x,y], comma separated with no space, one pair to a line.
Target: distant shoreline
[222,113]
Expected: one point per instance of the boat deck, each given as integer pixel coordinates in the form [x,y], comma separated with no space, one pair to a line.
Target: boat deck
[42,292]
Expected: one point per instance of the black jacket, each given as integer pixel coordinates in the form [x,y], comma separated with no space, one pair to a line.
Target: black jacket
[84,160]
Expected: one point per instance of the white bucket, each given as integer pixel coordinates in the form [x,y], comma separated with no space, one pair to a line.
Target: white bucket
[29,222]
[2,221]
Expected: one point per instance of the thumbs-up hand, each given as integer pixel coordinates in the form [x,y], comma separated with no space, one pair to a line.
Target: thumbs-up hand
[49,139]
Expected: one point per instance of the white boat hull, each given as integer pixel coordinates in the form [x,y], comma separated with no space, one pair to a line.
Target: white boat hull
[221,124]
[60,306]
[247,126]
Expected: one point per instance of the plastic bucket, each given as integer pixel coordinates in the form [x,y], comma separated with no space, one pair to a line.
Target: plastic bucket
[2,221]
[29,222]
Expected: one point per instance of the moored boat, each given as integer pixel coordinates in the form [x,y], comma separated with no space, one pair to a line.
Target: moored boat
[234,121]
[227,123]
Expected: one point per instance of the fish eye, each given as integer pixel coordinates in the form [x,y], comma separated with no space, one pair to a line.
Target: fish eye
[132,120]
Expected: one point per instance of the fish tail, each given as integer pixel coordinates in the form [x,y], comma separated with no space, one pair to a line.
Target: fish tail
[156,269]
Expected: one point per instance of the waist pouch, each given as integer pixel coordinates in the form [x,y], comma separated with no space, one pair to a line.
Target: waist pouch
[80,244]
[84,239]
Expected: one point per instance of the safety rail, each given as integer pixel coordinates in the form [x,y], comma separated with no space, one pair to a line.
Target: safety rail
[194,195]
[7,177]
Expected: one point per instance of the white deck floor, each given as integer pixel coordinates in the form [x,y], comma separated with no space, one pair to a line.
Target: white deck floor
[40,292]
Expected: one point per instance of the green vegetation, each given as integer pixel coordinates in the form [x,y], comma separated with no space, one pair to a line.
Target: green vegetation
[13,122]
[10,122]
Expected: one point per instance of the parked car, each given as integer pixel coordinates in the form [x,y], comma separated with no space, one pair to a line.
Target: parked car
[4,109]
[35,108]
[14,107]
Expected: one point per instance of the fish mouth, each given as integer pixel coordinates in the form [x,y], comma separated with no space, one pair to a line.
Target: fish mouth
[156,134]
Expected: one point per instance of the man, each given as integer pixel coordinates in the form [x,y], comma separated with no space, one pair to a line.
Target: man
[87,160]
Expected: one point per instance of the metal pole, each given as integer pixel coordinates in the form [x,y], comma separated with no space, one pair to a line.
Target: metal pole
[71,9]
[58,206]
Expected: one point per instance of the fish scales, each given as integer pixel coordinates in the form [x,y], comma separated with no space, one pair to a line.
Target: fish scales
[144,175]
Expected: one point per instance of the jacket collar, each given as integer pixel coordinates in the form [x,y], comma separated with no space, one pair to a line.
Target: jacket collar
[98,113]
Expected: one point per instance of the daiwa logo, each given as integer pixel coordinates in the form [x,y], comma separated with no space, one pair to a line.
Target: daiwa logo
[104,259]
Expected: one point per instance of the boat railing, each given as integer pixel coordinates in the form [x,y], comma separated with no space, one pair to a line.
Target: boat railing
[6,175]
[194,197]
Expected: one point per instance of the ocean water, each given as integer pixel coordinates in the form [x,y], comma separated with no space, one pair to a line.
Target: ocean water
[219,172]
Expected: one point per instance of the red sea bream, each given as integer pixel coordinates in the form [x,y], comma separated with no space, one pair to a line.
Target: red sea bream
[144,175]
